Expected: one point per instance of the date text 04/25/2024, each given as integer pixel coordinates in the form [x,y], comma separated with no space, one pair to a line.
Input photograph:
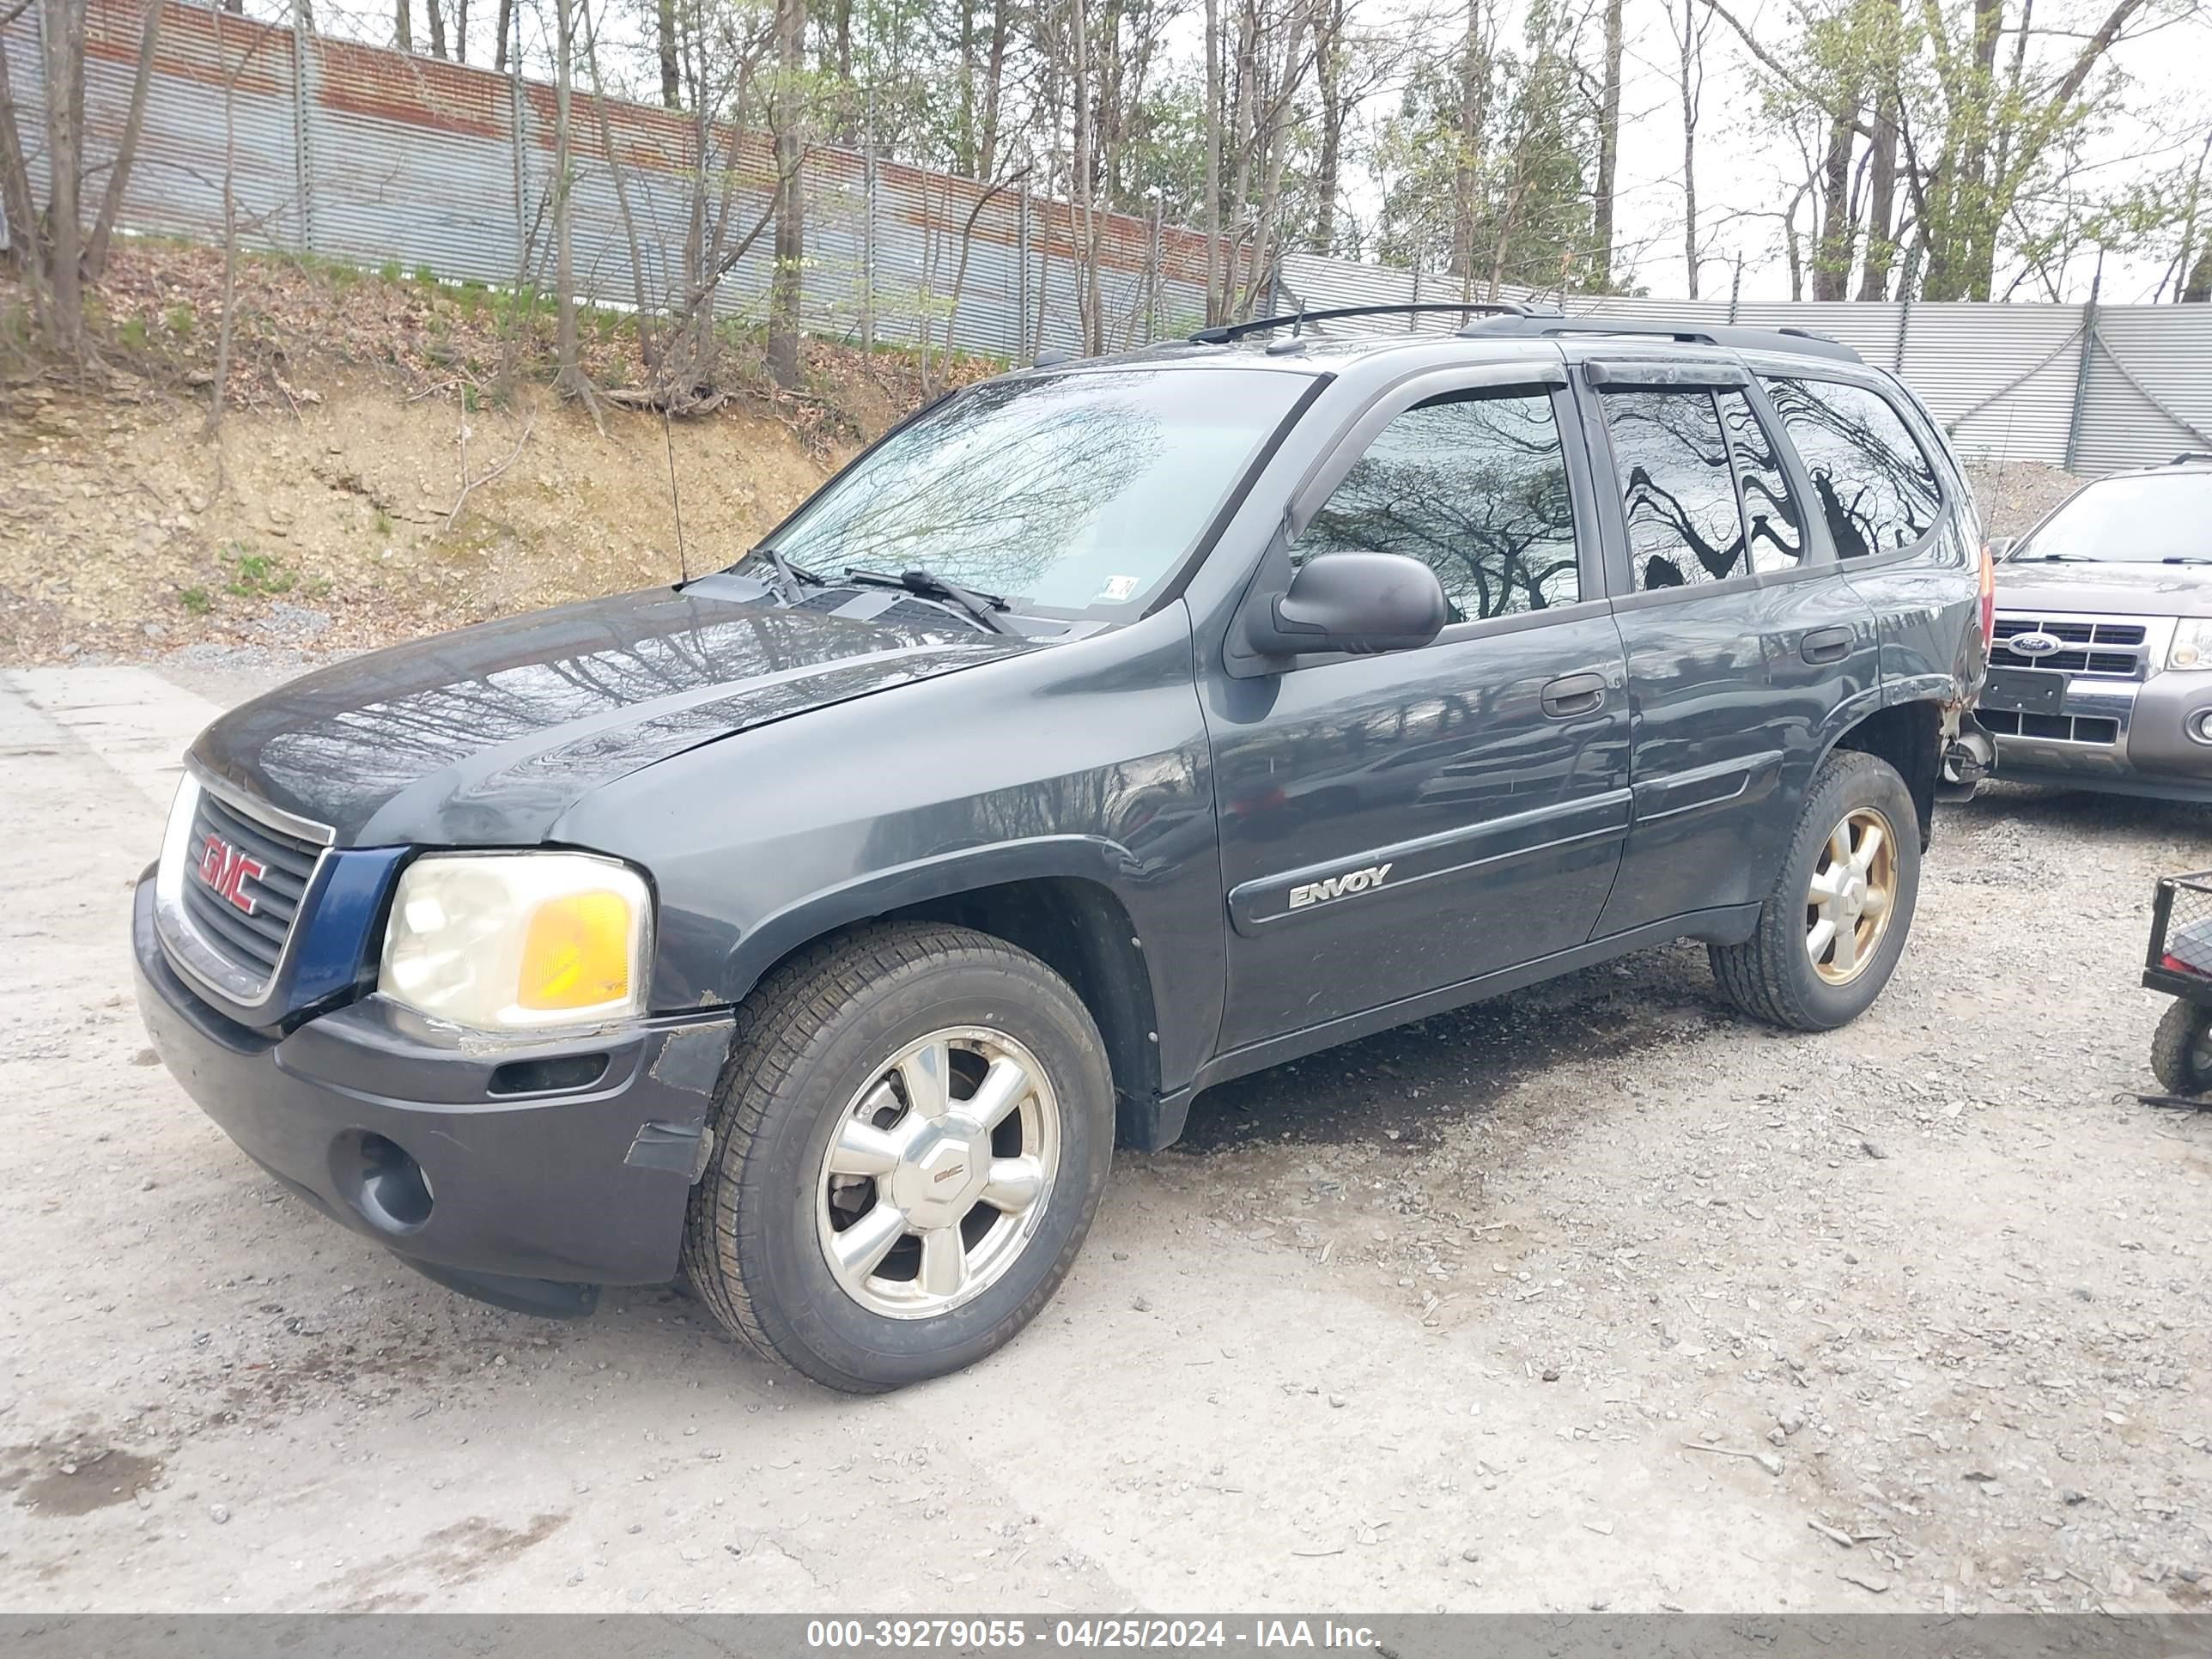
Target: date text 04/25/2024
[1157,1635]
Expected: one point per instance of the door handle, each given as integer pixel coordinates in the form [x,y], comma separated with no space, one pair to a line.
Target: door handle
[1575,694]
[1826,645]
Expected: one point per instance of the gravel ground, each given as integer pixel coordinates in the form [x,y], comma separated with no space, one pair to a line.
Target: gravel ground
[1597,1295]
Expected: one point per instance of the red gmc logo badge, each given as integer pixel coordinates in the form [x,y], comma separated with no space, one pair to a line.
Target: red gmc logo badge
[227,870]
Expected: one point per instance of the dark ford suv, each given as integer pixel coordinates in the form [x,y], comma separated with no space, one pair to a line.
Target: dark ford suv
[1108,730]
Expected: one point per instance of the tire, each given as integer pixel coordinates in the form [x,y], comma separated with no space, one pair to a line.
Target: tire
[813,1059]
[1773,975]
[2181,1049]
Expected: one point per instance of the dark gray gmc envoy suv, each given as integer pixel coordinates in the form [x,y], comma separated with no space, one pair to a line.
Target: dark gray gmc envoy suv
[1111,728]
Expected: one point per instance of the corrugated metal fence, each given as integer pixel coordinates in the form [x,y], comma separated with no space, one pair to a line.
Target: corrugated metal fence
[366,155]
[370,156]
[2008,381]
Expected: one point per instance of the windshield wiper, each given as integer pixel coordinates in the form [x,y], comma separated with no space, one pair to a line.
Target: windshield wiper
[789,577]
[2048,558]
[926,584]
[2183,558]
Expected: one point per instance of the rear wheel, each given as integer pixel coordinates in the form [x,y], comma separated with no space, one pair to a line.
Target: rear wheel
[2181,1049]
[1835,922]
[912,1137]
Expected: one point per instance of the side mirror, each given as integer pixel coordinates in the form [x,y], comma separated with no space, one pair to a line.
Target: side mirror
[2000,547]
[1359,602]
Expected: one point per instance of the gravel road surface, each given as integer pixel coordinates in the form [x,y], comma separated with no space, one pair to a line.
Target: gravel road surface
[1593,1295]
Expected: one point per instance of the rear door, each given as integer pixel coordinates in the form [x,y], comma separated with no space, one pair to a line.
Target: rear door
[1746,649]
[1901,518]
[1393,824]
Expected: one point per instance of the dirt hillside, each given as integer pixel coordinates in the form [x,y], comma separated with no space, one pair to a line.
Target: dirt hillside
[390,460]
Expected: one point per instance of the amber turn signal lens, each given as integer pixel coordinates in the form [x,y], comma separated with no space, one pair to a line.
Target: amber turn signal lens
[577,952]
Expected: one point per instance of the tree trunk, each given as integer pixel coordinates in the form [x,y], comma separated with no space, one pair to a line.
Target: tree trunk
[1956,232]
[564,279]
[1473,114]
[1214,284]
[671,79]
[1084,163]
[2198,289]
[126,148]
[1608,153]
[62,23]
[1831,260]
[784,291]
[506,33]
[26,252]
[1692,88]
[1329,166]
[403,24]
[995,79]
[1882,200]
[434,11]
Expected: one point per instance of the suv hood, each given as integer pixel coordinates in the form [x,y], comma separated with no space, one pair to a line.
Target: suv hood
[485,736]
[2126,590]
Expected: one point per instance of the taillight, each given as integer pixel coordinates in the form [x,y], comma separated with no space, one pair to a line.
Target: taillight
[1988,598]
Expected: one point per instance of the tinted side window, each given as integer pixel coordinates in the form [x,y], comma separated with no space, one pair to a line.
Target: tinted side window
[1871,478]
[1684,524]
[1475,485]
[1778,537]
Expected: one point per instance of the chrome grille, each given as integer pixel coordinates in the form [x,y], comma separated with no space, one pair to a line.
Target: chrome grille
[232,881]
[2089,645]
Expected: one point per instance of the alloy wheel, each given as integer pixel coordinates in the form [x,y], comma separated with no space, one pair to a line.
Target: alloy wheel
[1853,891]
[939,1173]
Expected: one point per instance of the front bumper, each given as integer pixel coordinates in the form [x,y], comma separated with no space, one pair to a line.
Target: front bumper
[524,1175]
[2127,737]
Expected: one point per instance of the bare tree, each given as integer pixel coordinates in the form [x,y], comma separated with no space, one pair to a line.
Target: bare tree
[62,29]
[571,376]
[672,82]
[1608,153]
[126,148]
[786,109]
[1467,158]
[1689,30]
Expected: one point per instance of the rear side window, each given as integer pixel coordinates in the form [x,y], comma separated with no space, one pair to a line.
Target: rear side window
[1473,484]
[1777,535]
[1871,480]
[1678,490]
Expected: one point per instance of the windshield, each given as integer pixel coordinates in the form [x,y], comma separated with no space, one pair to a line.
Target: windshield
[2140,520]
[1078,491]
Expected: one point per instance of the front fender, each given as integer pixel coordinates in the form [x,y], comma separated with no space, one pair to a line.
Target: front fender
[879,892]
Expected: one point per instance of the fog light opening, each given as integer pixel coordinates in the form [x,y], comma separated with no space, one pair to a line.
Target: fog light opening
[392,1191]
[2200,726]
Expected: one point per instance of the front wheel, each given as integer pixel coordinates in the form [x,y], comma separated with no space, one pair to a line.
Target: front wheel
[911,1136]
[1835,922]
[2181,1049]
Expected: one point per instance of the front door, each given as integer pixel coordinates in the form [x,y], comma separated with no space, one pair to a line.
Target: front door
[1746,649]
[1393,824]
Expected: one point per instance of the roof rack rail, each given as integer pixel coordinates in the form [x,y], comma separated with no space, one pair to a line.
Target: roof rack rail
[1797,341]
[1222,333]
[2188,457]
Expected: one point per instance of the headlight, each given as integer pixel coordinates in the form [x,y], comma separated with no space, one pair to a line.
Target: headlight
[518,941]
[2192,644]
